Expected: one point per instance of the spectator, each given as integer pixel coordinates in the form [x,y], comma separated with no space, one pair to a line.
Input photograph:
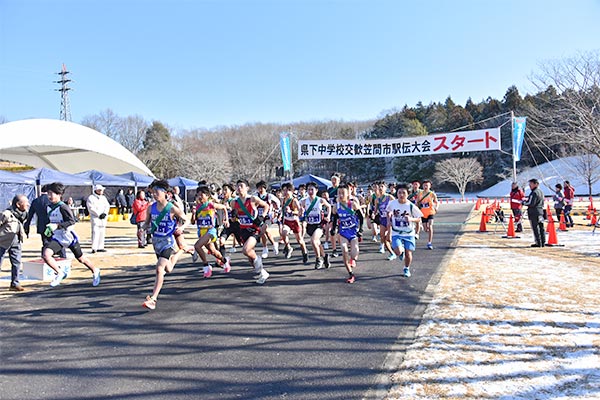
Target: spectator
[130,198]
[121,202]
[517,195]
[139,209]
[99,208]
[12,233]
[569,193]
[559,201]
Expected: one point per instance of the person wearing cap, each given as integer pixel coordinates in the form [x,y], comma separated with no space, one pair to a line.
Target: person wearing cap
[98,206]
[535,213]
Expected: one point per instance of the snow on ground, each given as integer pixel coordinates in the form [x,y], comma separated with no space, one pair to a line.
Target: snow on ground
[510,322]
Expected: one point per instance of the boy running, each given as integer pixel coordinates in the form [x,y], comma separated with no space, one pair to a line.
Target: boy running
[205,219]
[246,208]
[274,204]
[428,204]
[312,210]
[346,217]
[234,225]
[291,222]
[162,222]
[402,215]
[382,200]
[61,231]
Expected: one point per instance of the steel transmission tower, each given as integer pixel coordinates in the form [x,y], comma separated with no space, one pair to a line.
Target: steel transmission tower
[65,106]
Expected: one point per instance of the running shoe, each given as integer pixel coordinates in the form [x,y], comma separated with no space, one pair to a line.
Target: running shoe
[326,245]
[407,272]
[382,249]
[334,254]
[150,303]
[195,256]
[351,279]
[58,278]
[227,265]
[326,261]
[392,257]
[265,252]
[376,238]
[288,252]
[264,275]
[232,249]
[319,264]
[276,248]
[305,258]
[429,246]
[258,266]
[96,276]
[416,236]
[207,271]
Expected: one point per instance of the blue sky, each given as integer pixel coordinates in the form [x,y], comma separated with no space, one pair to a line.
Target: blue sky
[193,64]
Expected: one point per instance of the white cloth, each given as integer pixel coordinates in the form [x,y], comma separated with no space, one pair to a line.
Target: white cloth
[97,205]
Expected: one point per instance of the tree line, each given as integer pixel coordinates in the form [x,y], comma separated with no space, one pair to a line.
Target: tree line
[563,119]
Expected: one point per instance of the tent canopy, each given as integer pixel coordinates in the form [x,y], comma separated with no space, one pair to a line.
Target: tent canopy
[10,177]
[186,183]
[65,146]
[105,179]
[322,183]
[12,184]
[139,179]
[43,176]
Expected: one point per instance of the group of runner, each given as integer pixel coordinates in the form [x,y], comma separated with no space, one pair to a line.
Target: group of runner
[395,214]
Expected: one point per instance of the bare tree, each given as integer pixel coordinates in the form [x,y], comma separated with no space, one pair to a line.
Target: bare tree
[132,132]
[568,109]
[588,166]
[107,122]
[460,172]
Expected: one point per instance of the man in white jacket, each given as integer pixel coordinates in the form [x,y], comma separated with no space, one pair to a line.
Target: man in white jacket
[98,206]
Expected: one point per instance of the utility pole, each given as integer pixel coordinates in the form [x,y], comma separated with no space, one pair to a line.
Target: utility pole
[65,106]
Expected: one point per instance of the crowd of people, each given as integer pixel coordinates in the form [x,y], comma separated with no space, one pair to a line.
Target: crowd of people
[326,222]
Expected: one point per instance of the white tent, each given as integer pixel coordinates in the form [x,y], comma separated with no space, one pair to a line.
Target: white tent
[66,147]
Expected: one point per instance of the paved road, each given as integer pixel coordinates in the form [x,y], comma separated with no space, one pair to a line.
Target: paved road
[304,335]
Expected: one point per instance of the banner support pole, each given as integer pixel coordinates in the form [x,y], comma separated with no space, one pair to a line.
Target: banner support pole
[514,156]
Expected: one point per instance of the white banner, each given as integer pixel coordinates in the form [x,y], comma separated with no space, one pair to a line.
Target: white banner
[440,143]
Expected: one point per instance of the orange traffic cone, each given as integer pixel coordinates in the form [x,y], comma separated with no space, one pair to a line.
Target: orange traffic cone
[562,226]
[510,233]
[482,224]
[477,204]
[552,238]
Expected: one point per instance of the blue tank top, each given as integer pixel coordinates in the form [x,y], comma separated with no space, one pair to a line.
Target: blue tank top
[348,221]
[167,225]
[382,205]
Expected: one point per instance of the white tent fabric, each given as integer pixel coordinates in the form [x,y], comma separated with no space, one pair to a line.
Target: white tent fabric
[66,147]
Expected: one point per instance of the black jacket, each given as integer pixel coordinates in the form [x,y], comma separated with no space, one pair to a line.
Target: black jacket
[38,207]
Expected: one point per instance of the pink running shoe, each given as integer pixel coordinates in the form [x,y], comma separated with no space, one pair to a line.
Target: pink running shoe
[150,303]
[227,266]
[351,279]
[207,271]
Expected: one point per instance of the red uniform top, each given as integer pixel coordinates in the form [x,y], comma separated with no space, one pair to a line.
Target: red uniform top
[569,192]
[516,198]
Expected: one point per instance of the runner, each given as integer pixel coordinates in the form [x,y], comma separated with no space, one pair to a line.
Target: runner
[291,222]
[204,217]
[182,246]
[412,197]
[332,192]
[274,204]
[381,202]
[346,218]
[402,215]
[369,210]
[161,220]
[61,231]
[312,210]
[246,209]
[428,204]
[234,225]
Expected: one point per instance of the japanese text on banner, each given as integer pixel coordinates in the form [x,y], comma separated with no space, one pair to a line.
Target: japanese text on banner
[441,143]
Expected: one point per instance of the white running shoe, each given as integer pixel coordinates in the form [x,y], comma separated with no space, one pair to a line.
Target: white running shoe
[326,245]
[382,249]
[392,257]
[258,266]
[207,271]
[195,256]
[264,275]
[276,248]
[265,252]
[96,276]
[58,278]
[232,249]
[227,265]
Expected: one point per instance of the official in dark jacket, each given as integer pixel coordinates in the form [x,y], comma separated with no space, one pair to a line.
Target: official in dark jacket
[535,213]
